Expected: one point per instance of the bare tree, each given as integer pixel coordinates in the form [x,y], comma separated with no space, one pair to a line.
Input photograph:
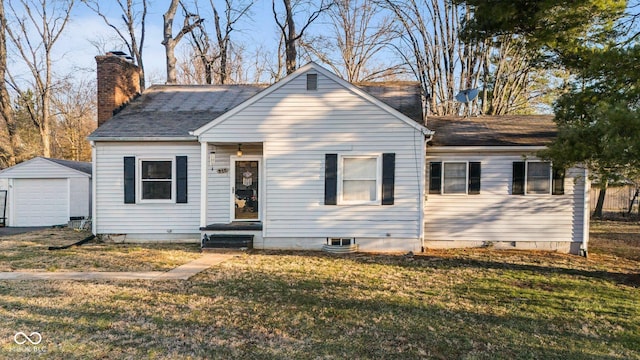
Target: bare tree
[190,70]
[133,16]
[9,145]
[191,21]
[436,56]
[38,27]
[511,80]
[25,113]
[287,26]
[360,32]
[215,57]
[75,107]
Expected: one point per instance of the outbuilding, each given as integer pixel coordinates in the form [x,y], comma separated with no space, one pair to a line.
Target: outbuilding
[45,192]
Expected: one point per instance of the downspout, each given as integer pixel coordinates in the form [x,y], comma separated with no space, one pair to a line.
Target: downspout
[422,186]
[94,159]
[584,248]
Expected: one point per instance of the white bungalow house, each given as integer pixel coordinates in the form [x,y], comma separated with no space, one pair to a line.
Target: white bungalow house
[309,161]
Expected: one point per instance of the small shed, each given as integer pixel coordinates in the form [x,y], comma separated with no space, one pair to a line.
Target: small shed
[45,192]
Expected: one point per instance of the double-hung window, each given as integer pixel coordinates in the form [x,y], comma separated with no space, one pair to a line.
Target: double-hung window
[537,178]
[455,177]
[359,179]
[156,179]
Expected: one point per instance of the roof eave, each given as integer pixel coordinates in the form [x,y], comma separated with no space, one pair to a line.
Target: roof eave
[485,148]
[142,138]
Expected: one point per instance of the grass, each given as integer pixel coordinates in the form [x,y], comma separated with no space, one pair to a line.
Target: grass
[454,304]
[29,252]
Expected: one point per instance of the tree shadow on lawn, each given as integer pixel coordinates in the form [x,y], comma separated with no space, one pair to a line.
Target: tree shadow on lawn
[300,324]
[501,262]
[621,278]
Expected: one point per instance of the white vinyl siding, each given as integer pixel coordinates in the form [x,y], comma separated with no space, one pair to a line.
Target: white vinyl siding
[296,129]
[496,215]
[80,197]
[113,216]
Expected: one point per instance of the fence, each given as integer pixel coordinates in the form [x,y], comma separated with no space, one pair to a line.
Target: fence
[617,198]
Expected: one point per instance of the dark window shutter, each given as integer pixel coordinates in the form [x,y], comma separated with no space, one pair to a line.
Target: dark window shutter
[388,177]
[435,177]
[474,178]
[129,180]
[558,182]
[181,179]
[518,178]
[330,179]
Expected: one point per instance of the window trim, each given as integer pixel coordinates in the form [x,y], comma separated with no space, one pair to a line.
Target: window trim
[526,178]
[340,180]
[139,180]
[444,180]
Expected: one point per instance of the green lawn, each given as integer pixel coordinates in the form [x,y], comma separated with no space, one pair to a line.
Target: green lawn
[455,304]
[30,252]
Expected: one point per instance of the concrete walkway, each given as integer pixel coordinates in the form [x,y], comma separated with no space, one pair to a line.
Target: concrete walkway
[182,272]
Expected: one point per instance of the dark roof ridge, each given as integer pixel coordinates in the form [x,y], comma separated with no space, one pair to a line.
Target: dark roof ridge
[81,166]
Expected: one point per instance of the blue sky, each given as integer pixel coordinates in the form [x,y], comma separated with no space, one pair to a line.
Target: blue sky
[74,53]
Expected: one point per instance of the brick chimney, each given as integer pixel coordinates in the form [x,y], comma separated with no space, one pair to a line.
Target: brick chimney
[118,83]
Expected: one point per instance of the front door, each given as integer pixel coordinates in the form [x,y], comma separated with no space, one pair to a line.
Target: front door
[245,188]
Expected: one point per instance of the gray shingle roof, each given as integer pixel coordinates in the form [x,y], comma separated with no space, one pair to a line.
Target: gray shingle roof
[171,111]
[402,96]
[505,130]
[81,166]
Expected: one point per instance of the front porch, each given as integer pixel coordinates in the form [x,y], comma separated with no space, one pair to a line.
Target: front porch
[232,205]
[234,235]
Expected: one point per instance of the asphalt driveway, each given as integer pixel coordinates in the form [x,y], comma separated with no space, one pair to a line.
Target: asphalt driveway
[6,231]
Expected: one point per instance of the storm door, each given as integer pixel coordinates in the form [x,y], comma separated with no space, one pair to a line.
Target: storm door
[245,188]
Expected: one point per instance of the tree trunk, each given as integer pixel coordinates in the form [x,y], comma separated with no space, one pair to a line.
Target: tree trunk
[6,112]
[635,196]
[291,53]
[597,213]
[168,42]
[222,45]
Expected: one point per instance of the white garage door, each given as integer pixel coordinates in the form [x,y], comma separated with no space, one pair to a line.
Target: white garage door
[40,202]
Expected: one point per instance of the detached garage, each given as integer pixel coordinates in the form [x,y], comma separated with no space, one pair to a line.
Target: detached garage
[45,192]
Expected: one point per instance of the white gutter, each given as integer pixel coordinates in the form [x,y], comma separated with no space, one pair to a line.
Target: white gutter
[139,138]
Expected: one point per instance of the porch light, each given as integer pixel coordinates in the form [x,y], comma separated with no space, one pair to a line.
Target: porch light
[239,152]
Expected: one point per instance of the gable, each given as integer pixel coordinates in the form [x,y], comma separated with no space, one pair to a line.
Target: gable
[331,97]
